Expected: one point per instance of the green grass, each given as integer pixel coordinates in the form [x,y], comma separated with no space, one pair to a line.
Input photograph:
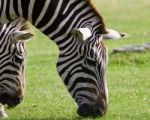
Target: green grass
[128,75]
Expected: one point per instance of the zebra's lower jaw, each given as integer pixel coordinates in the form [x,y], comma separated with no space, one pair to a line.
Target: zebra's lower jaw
[11,102]
[86,110]
[14,103]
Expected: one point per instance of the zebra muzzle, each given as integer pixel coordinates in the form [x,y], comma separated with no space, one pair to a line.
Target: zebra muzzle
[87,110]
[11,102]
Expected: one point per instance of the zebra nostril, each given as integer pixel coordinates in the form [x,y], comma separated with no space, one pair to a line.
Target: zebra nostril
[14,102]
[87,110]
[17,101]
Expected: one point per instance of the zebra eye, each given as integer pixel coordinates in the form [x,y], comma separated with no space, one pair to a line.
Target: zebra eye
[20,53]
[17,50]
[18,57]
[90,61]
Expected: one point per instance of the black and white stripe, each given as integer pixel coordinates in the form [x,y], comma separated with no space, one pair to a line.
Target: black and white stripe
[81,65]
[12,62]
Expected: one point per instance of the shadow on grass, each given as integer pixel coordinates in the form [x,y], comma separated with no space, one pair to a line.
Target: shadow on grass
[58,118]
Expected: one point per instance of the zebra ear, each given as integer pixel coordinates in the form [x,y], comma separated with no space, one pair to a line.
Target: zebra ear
[113,34]
[81,33]
[22,35]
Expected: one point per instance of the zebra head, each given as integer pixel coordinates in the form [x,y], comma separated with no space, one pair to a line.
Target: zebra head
[12,61]
[83,68]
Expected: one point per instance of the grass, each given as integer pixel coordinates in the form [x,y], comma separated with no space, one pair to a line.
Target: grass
[128,75]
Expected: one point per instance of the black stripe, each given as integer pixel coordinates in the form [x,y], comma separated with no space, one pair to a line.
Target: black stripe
[67,45]
[2,5]
[5,37]
[68,60]
[14,81]
[5,84]
[25,8]
[61,17]
[15,5]
[85,19]
[70,48]
[63,40]
[9,72]
[90,98]
[37,9]
[10,64]
[7,10]
[49,14]
[81,79]
[69,75]
[91,90]
[84,69]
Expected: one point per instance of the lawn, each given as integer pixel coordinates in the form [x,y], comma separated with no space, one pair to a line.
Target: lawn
[128,75]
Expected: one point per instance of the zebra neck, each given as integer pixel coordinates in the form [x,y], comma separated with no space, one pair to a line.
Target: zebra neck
[55,18]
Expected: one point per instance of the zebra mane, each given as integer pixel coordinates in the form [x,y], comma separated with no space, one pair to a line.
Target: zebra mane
[22,24]
[104,31]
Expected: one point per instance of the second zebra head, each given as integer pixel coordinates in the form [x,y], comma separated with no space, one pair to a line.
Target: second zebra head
[12,61]
[82,67]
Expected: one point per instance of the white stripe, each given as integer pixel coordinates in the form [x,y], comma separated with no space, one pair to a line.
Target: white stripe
[81,74]
[60,68]
[73,22]
[76,69]
[66,19]
[65,74]
[92,95]
[71,48]
[68,5]
[11,10]
[83,100]
[8,89]
[65,51]
[3,18]
[19,7]
[61,59]
[31,5]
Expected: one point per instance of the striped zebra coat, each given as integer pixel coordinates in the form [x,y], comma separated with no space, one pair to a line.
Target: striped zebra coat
[12,62]
[77,28]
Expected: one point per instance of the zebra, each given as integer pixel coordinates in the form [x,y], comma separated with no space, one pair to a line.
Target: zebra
[78,30]
[12,62]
